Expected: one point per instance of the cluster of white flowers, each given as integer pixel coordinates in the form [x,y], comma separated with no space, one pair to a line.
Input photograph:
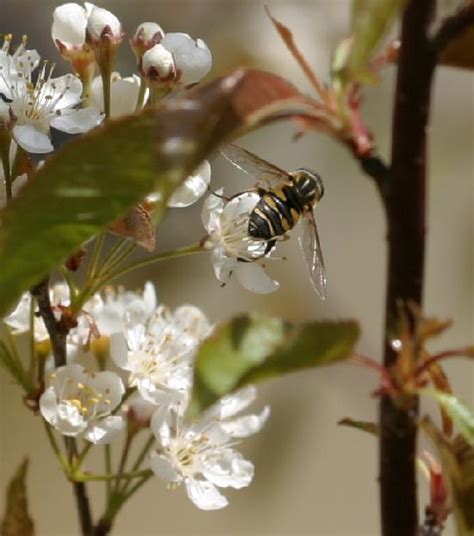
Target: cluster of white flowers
[32,102]
[154,348]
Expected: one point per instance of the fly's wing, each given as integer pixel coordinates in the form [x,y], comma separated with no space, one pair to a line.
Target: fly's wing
[267,175]
[311,248]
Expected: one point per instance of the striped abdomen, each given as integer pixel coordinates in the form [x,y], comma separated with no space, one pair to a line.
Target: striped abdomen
[278,211]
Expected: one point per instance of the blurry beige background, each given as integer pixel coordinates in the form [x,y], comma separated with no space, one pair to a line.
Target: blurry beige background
[312,477]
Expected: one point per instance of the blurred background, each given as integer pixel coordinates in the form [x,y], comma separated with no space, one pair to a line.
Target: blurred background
[312,477]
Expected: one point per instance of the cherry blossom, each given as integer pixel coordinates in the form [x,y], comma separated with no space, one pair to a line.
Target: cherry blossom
[79,403]
[201,454]
[232,248]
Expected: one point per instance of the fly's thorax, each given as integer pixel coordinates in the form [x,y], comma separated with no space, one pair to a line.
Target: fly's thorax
[309,185]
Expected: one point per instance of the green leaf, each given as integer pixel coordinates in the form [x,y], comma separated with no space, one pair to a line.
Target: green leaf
[97,178]
[17,521]
[252,348]
[371,19]
[365,426]
[458,411]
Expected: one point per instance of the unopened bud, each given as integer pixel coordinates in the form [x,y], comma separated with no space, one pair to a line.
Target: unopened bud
[147,35]
[102,25]
[158,66]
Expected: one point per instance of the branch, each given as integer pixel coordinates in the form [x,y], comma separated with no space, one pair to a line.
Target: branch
[453,26]
[57,330]
[375,167]
[405,204]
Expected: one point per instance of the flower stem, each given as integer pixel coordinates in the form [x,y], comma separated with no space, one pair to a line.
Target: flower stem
[187,250]
[141,94]
[95,257]
[5,155]
[108,469]
[140,458]
[123,459]
[84,477]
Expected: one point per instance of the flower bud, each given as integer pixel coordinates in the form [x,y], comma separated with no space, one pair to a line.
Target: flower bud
[69,35]
[158,66]
[102,25]
[192,58]
[147,35]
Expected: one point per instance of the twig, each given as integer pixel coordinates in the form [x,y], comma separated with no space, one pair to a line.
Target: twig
[453,26]
[405,206]
[57,330]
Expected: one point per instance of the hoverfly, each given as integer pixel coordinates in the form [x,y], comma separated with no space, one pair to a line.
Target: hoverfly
[285,199]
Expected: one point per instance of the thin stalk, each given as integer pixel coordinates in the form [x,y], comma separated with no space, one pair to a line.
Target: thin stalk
[405,204]
[95,257]
[140,459]
[54,445]
[114,252]
[108,469]
[104,478]
[105,74]
[141,94]
[80,492]
[123,459]
[31,336]
[187,250]
[118,258]
[105,279]
[5,155]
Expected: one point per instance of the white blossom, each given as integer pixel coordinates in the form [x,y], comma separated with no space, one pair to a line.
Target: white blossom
[108,311]
[140,411]
[159,353]
[69,31]
[192,58]
[101,24]
[37,106]
[201,454]
[158,66]
[123,94]
[232,248]
[19,319]
[79,403]
[147,35]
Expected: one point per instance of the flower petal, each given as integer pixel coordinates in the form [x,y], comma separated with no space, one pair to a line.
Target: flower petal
[211,210]
[228,468]
[193,188]
[234,403]
[205,495]
[69,24]
[119,350]
[105,431]
[77,121]
[192,58]
[247,425]
[163,468]
[31,139]
[254,278]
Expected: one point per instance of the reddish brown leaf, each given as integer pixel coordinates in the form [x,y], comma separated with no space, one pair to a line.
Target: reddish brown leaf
[17,521]
[460,51]
[137,225]
[287,36]
[441,382]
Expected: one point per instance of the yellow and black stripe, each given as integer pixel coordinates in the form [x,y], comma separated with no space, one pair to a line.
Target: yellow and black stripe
[278,211]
